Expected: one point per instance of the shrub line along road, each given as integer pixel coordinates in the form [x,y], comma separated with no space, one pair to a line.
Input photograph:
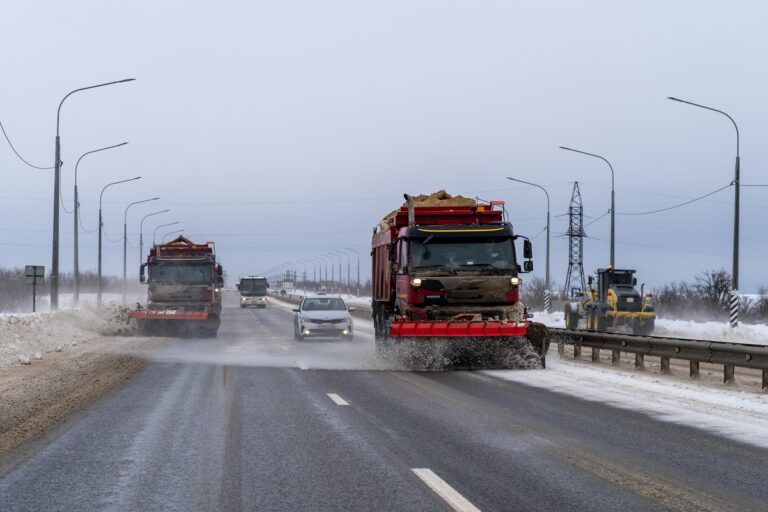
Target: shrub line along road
[197,431]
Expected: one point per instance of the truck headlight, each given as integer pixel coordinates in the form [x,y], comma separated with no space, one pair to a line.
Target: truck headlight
[415,282]
[516,281]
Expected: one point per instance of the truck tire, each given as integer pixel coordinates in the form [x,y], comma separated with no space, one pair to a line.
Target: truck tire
[644,329]
[601,322]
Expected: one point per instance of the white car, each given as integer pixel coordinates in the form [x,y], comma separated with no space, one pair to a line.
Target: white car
[322,315]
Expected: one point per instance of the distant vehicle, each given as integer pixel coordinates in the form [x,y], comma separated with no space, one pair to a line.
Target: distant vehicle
[253,291]
[322,315]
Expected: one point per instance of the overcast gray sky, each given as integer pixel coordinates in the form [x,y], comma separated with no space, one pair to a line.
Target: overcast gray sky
[284,129]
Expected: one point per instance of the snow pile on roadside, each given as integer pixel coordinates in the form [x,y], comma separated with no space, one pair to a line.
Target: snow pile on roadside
[751,334]
[23,336]
[739,415]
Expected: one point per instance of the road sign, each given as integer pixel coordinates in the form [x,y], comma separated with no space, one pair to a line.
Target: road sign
[34,275]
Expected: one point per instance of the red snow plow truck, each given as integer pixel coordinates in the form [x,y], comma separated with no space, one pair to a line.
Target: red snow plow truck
[184,295]
[445,271]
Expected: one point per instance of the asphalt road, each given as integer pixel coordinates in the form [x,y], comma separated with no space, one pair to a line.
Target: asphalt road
[236,424]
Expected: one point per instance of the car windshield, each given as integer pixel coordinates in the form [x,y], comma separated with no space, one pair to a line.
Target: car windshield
[255,286]
[174,272]
[463,254]
[323,304]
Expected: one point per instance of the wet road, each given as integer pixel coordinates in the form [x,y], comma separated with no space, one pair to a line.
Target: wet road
[257,421]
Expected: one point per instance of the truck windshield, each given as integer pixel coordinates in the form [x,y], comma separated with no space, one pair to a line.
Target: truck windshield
[463,254]
[253,286]
[329,304]
[175,272]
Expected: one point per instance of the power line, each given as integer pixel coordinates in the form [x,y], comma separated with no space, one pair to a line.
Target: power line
[17,153]
[678,205]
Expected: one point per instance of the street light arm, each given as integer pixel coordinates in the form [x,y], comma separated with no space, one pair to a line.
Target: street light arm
[101,196]
[58,112]
[95,151]
[533,185]
[713,110]
[125,215]
[141,224]
[154,233]
[594,155]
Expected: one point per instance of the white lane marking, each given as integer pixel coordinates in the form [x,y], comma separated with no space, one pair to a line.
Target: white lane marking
[457,502]
[337,399]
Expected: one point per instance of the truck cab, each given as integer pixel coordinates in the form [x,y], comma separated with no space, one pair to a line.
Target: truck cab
[445,270]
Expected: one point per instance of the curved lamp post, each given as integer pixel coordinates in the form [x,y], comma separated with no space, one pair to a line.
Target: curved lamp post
[125,244]
[56,194]
[77,225]
[613,200]
[101,229]
[734,317]
[546,278]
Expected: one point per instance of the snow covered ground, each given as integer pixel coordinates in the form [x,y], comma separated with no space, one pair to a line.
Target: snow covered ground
[754,334]
[738,414]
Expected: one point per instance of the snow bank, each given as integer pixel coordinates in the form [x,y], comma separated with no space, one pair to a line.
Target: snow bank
[22,336]
[739,415]
[753,334]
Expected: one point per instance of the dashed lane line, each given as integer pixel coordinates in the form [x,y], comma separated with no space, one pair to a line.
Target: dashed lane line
[337,399]
[450,495]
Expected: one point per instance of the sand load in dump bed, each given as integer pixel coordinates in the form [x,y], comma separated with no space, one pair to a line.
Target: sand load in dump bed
[439,198]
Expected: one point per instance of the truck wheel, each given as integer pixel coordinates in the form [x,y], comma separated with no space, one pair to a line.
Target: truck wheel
[538,336]
[601,322]
[644,329]
[571,316]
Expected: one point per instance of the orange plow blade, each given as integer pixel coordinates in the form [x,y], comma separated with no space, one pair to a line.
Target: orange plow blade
[454,329]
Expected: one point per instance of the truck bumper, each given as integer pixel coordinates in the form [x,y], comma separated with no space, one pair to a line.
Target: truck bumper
[169,314]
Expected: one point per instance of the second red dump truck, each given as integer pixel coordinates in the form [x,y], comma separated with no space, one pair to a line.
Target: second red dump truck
[184,295]
[447,268]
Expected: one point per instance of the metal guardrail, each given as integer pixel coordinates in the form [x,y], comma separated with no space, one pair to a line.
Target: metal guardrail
[730,355]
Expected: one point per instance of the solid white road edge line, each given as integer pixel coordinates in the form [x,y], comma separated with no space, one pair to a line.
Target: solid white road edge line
[457,502]
[337,399]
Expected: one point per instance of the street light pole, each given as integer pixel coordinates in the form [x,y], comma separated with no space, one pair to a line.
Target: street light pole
[348,271]
[154,233]
[357,255]
[101,229]
[125,245]
[547,282]
[734,316]
[77,222]
[141,233]
[613,201]
[57,192]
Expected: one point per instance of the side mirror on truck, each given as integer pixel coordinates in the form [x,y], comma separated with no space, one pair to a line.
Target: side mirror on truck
[528,265]
[142,277]
[219,270]
[393,251]
[527,249]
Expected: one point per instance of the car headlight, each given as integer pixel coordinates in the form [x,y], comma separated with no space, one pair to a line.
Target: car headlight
[242,299]
[416,282]
[516,281]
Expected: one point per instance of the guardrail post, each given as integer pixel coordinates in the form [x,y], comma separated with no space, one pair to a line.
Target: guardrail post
[615,357]
[765,380]
[595,354]
[665,365]
[640,361]
[577,351]
[729,374]
[694,369]
[560,349]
